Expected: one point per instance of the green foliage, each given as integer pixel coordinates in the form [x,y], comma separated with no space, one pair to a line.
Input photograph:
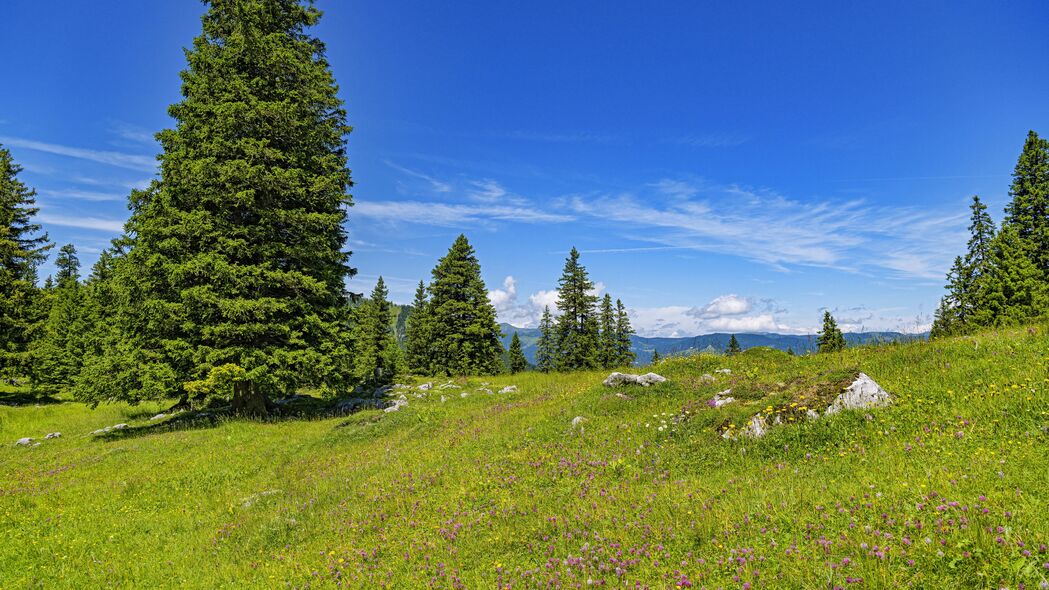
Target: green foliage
[958,306]
[624,354]
[517,362]
[607,339]
[1012,289]
[733,346]
[22,248]
[577,326]
[546,348]
[830,338]
[58,350]
[1028,211]
[417,345]
[464,335]
[375,351]
[237,251]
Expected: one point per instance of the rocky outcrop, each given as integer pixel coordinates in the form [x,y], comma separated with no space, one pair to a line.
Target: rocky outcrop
[863,393]
[627,379]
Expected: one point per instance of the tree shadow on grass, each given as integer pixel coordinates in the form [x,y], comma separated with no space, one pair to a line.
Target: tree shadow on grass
[24,397]
[297,407]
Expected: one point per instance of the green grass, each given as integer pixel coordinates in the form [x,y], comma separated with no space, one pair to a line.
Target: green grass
[951,484]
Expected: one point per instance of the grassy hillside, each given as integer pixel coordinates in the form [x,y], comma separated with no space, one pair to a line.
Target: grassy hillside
[947,487]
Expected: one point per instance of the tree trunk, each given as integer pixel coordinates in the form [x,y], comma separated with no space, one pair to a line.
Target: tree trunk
[248,400]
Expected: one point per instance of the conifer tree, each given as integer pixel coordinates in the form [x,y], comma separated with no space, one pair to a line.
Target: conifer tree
[463,329]
[960,303]
[830,338]
[624,353]
[577,326]
[237,258]
[1028,211]
[22,248]
[518,362]
[607,352]
[58,351]
[545,348]
[790,351]
[733,346]
[374,360]
[1012,289]
[655,357]
[417,345]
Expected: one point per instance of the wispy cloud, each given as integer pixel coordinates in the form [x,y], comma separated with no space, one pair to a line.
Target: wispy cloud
[451,214]
[82,222]
[118,159]
[711,140]
[434,184]
[562,137]
[766,227]
[82,195]
[134,133]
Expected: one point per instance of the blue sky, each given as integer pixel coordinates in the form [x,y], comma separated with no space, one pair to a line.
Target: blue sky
[722,166]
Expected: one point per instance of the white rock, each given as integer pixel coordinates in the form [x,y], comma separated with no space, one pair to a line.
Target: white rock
[120,426]
[577,421]
[52,435]
[628,379]
[463,394]
[396,405]
[509,389]
[811,414]
[485,390]
[426,386]
[443,399]
[158,417]
[724,371]
[863,393]
[25,442]
[707,378]
[722,397]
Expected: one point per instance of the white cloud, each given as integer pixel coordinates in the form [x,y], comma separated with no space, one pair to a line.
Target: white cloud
[118,159]
[83,195]
[542,299]
[451,214]
[723,305]
[134,133]
[83,222]
[505,297]
[433,183]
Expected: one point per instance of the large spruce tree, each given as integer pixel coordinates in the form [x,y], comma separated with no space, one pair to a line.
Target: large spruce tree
[237,258]
[545,350]
[1012,289]
[22,248]
[1028,211]
[606,342]
[417,339]
[830,338]
[577,326]
[624,352]
[463,331]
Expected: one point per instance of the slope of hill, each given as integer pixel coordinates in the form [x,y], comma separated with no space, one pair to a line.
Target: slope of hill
[563,483]
[644,347]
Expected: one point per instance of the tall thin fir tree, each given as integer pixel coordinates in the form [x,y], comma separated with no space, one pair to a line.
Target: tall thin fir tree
[417,340]
[238,254]
[517,360]
[463,329]
[962,299]
[830,338]
[577,326]
[546,347]
[624,351]
[374,340]
[1028,211]
[607,342]
[733,346]
[22,247]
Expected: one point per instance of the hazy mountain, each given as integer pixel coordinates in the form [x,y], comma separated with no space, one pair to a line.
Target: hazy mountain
[644,347]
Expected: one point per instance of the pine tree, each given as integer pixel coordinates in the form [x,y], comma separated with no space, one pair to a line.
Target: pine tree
[58,351]
[577,326]
[237,258]
[463,329]
[790,351]
[1012,290]
[958,306]
[374,359]
[607,338]
[655,357]
[1028,212]
[733,346]
[624,353]
[518,362]
[830,338]
[22,248]
[545,348]
[417,346]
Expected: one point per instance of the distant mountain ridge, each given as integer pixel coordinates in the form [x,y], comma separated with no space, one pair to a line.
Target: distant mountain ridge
[643,347]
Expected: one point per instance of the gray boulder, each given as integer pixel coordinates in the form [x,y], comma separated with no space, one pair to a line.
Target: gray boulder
[863,393]
[721,398]
[627,379]
[52,435]
[24,442]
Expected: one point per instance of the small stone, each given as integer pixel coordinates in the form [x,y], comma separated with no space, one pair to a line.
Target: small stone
[120,426]
[158,417]
[707,378]
[577,421]
[721,398]
[724,371]
[463,394]
[52,435]
[627,379]
[443,399]
[24,442]
[426,386]
[509,389]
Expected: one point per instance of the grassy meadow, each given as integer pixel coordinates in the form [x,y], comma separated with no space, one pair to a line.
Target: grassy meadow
[948,487]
